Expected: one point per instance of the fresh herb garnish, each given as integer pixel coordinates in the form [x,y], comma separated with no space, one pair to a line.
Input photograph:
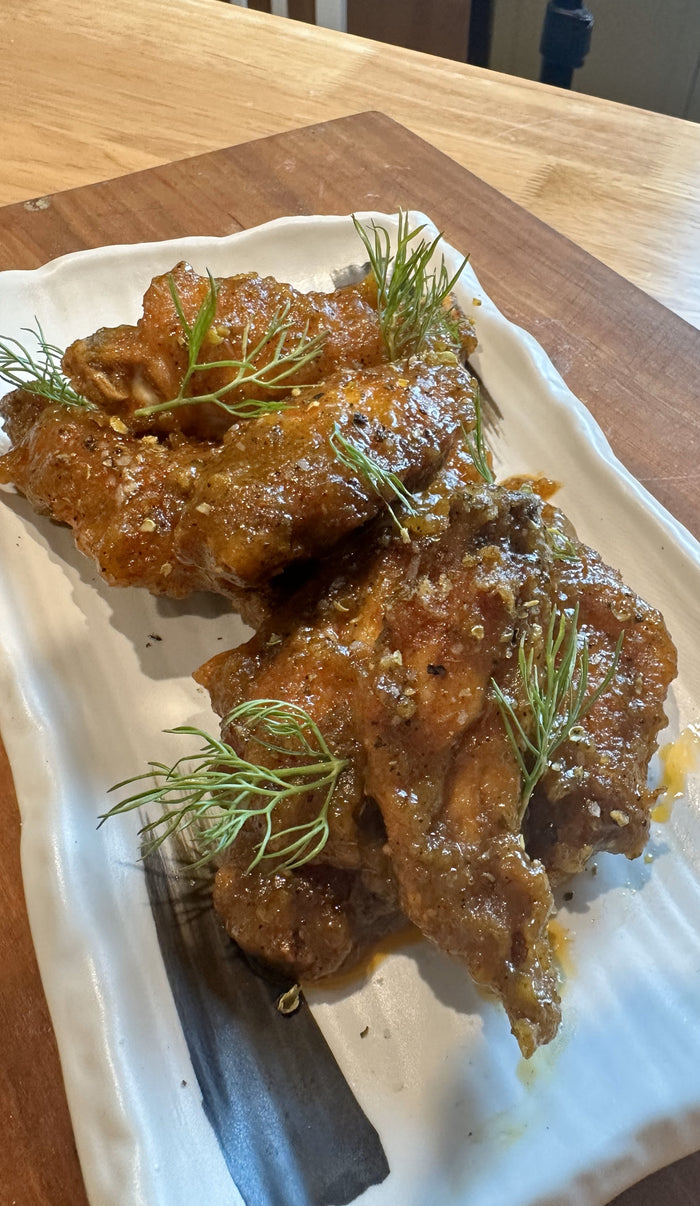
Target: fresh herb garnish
[475,442]
[555,701]
[38,373]
[561,546]
[215,792]
[283,360]
[410,296]
[386,484]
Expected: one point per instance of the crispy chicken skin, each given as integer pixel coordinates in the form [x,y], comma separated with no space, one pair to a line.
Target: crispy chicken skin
[329,911]
[392,651]
[177,514]
[277,493]
[122,369]
[439,763]
[390,646]
[595,796]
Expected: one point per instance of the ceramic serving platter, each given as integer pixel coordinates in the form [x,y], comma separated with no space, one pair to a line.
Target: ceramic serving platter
[403,1084]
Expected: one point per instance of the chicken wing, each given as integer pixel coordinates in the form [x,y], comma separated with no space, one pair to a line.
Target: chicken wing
[394,650]
[378,647]
[177,514]
[439,763]
[123,369]
[594,795]
[313,921]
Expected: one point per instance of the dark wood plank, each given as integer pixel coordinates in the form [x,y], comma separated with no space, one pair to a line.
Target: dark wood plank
[38,1161]
[678,1185]
[632,361]
[435,26]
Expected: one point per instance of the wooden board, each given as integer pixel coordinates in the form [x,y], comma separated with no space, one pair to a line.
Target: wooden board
[634,363]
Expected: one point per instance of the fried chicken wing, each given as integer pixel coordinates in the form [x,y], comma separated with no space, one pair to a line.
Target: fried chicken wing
[378,645]
[123,369]
[594,795]
[326,913]
[438,760]
[179,514]
[277,493]
[393,650]
[122,495]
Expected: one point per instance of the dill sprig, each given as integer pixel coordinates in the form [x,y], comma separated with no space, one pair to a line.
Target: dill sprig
[410,297]
[556,701]
[386,484]
[561,546]
[215,792]
[475,442]
[38,373]
[284,359]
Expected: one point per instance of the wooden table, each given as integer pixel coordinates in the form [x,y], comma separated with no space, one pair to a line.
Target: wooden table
[88,93]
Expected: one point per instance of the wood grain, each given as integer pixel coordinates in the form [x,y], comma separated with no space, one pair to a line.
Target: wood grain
[113,94]
[38,1161]
[632,361]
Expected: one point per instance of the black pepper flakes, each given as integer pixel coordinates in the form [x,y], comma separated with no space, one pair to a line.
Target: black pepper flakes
[438,671]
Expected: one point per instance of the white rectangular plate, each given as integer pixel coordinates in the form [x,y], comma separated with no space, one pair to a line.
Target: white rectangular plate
[86,693]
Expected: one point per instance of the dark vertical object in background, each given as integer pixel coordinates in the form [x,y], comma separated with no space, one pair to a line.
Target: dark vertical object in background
[302,10]
[565,42]
[287,1122]
[480,33]
[435,26]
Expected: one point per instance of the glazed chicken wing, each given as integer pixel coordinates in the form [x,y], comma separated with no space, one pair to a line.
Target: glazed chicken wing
[179,514]
[325,913]
[438,760]
[594,795]
[278,493]
[124,369]
[394,652]
[403,647]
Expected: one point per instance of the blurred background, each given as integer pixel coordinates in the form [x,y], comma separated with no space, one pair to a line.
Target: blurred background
[641,52]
